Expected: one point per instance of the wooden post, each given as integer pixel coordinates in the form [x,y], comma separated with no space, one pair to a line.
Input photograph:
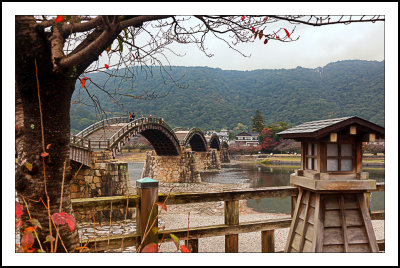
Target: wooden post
[232,218]
[192,245]
[293,200]
[268,241]
[146,214]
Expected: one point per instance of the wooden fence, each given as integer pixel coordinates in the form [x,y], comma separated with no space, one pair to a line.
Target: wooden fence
[230,229]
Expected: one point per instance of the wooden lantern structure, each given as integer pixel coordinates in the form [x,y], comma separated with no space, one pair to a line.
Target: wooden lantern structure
[331,212]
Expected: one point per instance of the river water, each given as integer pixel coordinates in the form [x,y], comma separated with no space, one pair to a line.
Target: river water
[258,175]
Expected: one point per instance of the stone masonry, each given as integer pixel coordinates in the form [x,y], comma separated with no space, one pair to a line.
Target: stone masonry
[183,168]
[105,177]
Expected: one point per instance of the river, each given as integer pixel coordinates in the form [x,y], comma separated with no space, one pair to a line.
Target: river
[267,176]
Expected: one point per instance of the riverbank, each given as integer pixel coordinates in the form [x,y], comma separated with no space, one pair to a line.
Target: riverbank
[287,159]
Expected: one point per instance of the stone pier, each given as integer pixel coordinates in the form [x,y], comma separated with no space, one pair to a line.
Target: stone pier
[183,168]
[105,177]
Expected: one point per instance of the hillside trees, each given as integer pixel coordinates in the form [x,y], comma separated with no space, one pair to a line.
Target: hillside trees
[52,54]
[257,122]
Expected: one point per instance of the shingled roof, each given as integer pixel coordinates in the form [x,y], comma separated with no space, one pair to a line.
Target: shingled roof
[316,129]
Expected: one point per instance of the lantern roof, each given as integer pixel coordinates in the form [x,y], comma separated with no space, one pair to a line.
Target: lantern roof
[320,128]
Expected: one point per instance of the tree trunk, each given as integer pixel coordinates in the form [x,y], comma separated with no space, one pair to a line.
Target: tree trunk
[55,96]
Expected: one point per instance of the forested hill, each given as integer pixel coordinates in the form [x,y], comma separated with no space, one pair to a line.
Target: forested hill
[214,98]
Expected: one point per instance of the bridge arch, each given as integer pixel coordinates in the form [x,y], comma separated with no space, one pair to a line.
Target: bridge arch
[215,142]
[155,130]
[97,137]
[196,139]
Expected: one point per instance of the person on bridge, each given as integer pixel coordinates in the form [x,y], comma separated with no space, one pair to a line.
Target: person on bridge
[131,117]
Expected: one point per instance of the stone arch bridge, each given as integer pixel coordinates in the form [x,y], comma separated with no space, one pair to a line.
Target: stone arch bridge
[178,156]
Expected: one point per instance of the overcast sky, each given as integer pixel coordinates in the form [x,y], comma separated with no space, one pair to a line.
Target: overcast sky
[316,47]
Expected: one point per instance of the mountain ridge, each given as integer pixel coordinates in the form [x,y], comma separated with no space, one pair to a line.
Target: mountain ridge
[213,98]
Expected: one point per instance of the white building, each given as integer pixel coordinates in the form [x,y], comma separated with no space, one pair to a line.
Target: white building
[247,138]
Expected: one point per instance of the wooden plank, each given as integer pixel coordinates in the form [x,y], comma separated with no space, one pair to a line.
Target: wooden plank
[296,242]
[358,163]
[302,231]
[318,235]
[381,245]
[350,202]
[367,223]
[344,224]
[232,218]
[292,204]
[331,203]
[104,203]
[321,158]
[268,241]
[333,236]
[333,248]
[332,218]
[311,219]
[353,217]
[265,192]
[223,229]
[358,248]
[311,203]
[300,226]
[307,246]
[357,235]
[112,242]
[309,235]
[192,245]
[293,224]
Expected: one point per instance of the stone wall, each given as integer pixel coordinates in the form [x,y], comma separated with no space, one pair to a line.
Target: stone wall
[104,178]
[183,168]
[224,155]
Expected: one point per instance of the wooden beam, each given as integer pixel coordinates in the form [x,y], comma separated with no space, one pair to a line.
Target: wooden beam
[231,218]
[367,223]
[344,224]
[268,241]
[192,245]
[302,231]
[294,221]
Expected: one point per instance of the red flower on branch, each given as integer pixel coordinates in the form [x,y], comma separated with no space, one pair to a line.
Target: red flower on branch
[59,18]
[83,81]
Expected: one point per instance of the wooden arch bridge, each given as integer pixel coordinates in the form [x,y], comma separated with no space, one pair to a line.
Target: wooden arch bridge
[113,133]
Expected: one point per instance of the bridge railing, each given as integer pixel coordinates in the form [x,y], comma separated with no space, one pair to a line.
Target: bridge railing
[229,229]
[101,124]
[140,121]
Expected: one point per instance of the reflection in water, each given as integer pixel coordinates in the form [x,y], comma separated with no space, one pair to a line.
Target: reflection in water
[263,176]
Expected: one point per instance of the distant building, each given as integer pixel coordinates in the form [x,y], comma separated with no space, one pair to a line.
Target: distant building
[247,138]
[223,134]
[378,142]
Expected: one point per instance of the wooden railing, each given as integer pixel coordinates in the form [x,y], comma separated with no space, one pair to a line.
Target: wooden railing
[79,140]
[137,122]
[108,121]
[230,229]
